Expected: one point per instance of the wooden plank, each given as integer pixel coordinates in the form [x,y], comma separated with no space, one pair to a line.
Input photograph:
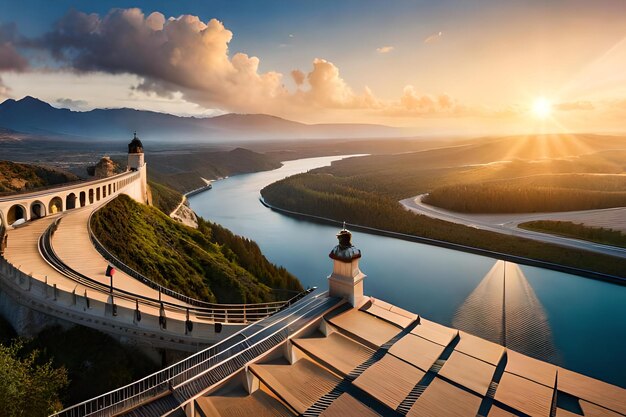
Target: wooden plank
[372,330]
[300,385]
[594,391]
[336,351]
[240,404]
[468,371]
[385,305]
[389,380]
[347,406]
[496,411]
[388,315]
[524,395]
[592,410]
[480,348]
[530,368]
[417,351]
[443,399]
[434,332]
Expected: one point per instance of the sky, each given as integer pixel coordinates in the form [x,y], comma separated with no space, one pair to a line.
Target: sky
[439,67]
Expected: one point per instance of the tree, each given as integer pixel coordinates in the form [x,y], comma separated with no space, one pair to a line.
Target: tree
[27,387]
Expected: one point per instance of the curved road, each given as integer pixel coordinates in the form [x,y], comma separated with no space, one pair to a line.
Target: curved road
[507,224]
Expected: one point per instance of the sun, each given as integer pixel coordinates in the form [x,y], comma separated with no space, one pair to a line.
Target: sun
[542,108]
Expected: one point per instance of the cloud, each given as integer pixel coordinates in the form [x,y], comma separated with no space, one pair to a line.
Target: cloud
[69,103]
[435,37]
[385,49]
[176,54]
[10,58]
[574,105]
[187,58]
[298,77]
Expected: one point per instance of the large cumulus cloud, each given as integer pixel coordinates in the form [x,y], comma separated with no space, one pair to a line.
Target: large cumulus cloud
[185,55]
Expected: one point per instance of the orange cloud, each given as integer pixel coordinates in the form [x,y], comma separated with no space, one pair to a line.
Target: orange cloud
[385,49]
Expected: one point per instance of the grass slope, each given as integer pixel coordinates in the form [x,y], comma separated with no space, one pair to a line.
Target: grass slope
[209,263]
[164,198]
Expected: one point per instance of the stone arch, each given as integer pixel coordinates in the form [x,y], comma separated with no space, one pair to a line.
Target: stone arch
[82,199]
[70,201]
[56,205]
[37,210]
[16,212]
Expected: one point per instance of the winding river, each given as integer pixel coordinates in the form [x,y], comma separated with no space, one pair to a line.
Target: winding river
[575,322]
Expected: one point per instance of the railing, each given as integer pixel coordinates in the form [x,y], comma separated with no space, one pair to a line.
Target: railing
[222,313]
[224,358]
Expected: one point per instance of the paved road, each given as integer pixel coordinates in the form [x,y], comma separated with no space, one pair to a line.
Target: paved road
[507,224]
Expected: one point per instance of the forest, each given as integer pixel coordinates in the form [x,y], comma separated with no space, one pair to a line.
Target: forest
[320,194]
[578,231]
[511,198]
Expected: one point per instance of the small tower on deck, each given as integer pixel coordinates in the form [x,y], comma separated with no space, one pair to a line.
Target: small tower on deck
[346,281]
[135,154]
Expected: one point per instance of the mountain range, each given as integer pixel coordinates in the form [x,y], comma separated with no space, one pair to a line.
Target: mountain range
[36,117]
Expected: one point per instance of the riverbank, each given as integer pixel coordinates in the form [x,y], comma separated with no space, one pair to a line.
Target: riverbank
[454,246]
[424,278]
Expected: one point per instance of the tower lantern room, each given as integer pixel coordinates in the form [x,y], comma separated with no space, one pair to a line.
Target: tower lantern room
[346,281]
[135,154]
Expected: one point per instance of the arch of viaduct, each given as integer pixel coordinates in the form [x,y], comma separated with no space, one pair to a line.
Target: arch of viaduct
[39,204]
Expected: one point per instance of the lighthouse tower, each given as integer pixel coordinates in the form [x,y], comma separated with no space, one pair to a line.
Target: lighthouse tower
[135,154]
[346,281]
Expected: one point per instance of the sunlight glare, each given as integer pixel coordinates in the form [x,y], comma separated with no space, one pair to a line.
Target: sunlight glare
[542,108]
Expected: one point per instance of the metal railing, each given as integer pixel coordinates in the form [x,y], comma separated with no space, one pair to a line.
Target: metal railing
[221,313]
[191,375]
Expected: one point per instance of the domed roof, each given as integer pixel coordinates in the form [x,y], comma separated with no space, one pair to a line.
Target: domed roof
[344,251]
[135,145]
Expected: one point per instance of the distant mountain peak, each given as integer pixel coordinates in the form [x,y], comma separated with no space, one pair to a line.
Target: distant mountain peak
[32,115]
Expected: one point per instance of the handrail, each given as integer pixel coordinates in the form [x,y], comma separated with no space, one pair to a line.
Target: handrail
[271,331]
[228,313]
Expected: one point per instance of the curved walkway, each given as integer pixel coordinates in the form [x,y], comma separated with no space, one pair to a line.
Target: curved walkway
[507,224]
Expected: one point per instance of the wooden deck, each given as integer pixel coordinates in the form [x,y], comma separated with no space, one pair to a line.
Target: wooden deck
[530,368]
[458,389]
[389,380]
[480,348]
[417,351]
[239,403]
[594,391]
[469,372]
[347,406]
[336,351]
[300,385]
[524,395]
[434,332]
[372,330]
[444,399]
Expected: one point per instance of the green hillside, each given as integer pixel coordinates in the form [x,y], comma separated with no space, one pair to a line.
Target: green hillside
[210,263]
[15,177]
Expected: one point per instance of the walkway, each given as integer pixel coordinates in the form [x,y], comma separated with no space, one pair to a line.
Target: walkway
[507,224]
